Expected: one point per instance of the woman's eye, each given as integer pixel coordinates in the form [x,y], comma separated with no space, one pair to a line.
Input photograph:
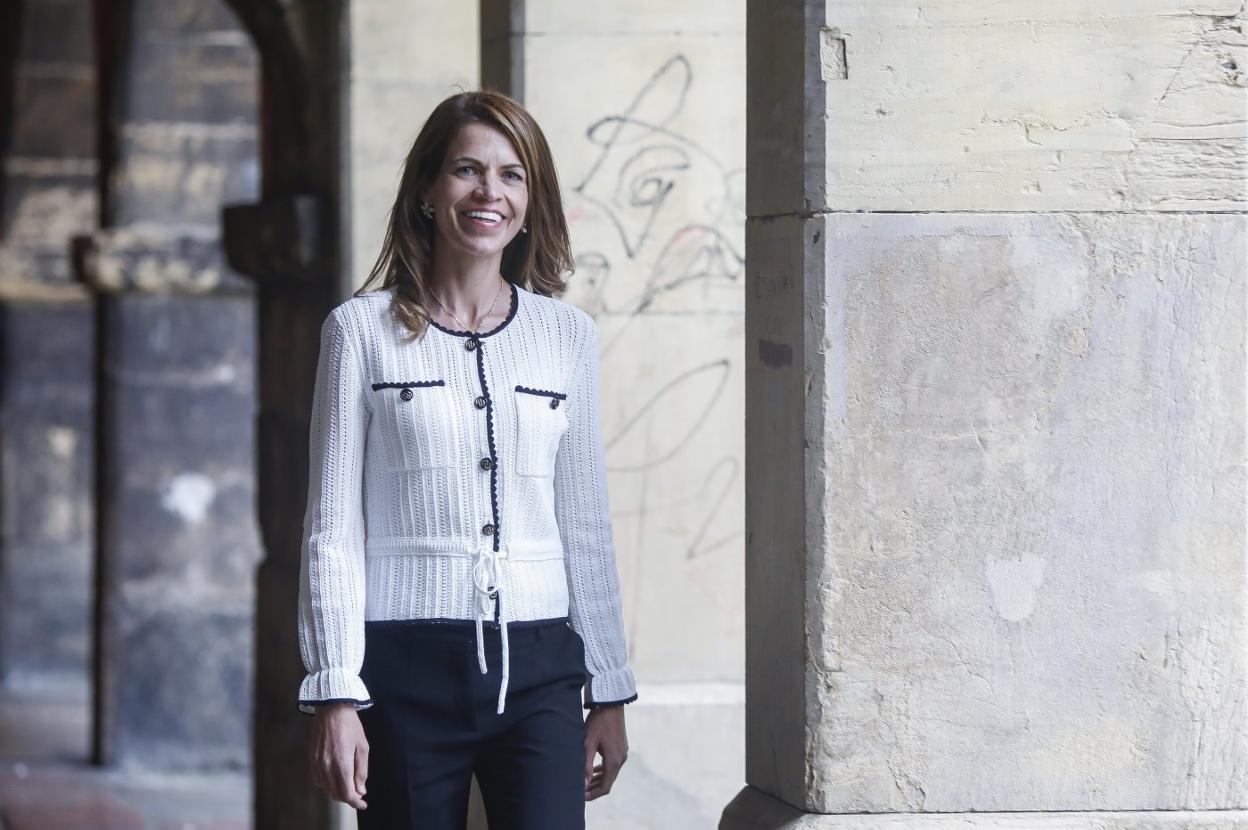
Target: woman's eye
[465,167]
[519,178]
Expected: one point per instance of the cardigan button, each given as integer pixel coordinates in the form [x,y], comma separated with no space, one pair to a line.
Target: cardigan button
[554,403]
[487,463]
[480,402]
[406,394]
[487,529]
[471,343]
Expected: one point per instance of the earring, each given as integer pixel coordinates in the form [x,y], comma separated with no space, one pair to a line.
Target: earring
[525,229]
[426,209]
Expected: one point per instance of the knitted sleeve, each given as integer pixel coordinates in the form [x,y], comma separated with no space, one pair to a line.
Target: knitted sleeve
[331,568]
[583,514]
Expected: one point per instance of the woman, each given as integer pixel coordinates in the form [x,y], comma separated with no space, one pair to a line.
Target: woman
[458,584]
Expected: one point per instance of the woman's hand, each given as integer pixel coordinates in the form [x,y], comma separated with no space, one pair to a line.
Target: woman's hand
[604,735]
[339,753]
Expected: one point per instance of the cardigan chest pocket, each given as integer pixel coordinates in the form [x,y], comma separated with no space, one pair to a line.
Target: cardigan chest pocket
[418,423]
[541,420]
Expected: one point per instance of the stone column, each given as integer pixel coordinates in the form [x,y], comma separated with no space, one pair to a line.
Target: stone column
[47,147]
[177,542]
[995,344]
[47,393]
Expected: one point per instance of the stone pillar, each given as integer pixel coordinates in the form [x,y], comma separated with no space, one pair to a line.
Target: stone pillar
[48,155]
[643,106]
[47,394]
[177,542]
[995,351]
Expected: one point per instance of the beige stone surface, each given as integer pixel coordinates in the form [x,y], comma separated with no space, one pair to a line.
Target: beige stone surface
[1032,591]
[1027,107]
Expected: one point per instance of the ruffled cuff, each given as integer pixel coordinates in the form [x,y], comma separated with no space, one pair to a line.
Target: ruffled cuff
[332,686]
[611,688]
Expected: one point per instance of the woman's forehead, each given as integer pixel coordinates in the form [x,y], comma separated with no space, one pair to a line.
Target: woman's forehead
[482,142]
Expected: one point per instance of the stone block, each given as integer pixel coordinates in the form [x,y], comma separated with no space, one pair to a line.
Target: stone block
[208,78]
[1025,585]
[57,32]
[183,173]
[53,115]
[185,682]
[180,541]
[46,453]
[952,107]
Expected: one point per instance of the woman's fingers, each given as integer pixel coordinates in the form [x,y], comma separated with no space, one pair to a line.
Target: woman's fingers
[361,768]
[345,781]
[339,756]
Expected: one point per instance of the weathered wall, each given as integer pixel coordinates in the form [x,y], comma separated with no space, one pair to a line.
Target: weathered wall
[998,275]
[48,142]
[47,191]
[643,107]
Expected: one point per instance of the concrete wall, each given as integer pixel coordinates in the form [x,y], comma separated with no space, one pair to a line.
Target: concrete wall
[644,110]
[998,280]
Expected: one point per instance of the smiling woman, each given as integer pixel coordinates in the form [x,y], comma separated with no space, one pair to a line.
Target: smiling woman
[480,206]
[458,586]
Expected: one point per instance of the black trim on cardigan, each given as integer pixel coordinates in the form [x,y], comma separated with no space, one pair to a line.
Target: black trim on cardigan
[489,433]
[515,305]
[595,704]
[543,392]
[407,384]
[368,702]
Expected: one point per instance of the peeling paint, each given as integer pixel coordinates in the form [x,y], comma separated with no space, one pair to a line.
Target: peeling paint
[189,495]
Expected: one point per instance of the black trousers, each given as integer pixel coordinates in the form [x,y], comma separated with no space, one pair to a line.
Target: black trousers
[433,724]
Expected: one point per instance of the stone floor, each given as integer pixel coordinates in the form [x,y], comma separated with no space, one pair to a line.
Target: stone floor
[686,761]
[47,784]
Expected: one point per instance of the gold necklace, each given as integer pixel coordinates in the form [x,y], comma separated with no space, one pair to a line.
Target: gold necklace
[477,327]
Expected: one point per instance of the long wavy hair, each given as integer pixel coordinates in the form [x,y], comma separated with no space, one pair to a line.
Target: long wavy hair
[535,260]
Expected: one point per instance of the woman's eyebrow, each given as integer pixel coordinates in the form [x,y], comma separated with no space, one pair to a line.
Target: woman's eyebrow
[478,161]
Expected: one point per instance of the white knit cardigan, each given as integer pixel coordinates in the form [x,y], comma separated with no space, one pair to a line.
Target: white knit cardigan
[452,472]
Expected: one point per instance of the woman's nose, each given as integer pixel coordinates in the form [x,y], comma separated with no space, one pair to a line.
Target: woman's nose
[487,184]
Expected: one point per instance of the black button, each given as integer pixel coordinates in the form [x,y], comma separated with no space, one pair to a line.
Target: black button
[554,403]
[486,463]
[406,394]
[471,343]
[480,402]
[487,529]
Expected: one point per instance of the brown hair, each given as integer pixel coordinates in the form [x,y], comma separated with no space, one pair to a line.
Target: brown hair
[535,260]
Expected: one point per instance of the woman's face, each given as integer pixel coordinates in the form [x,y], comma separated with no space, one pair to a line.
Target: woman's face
[481,194]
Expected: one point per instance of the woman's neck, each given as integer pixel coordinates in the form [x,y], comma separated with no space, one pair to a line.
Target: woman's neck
[469,289]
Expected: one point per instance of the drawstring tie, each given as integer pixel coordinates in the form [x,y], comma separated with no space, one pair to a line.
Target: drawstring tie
[485,581]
